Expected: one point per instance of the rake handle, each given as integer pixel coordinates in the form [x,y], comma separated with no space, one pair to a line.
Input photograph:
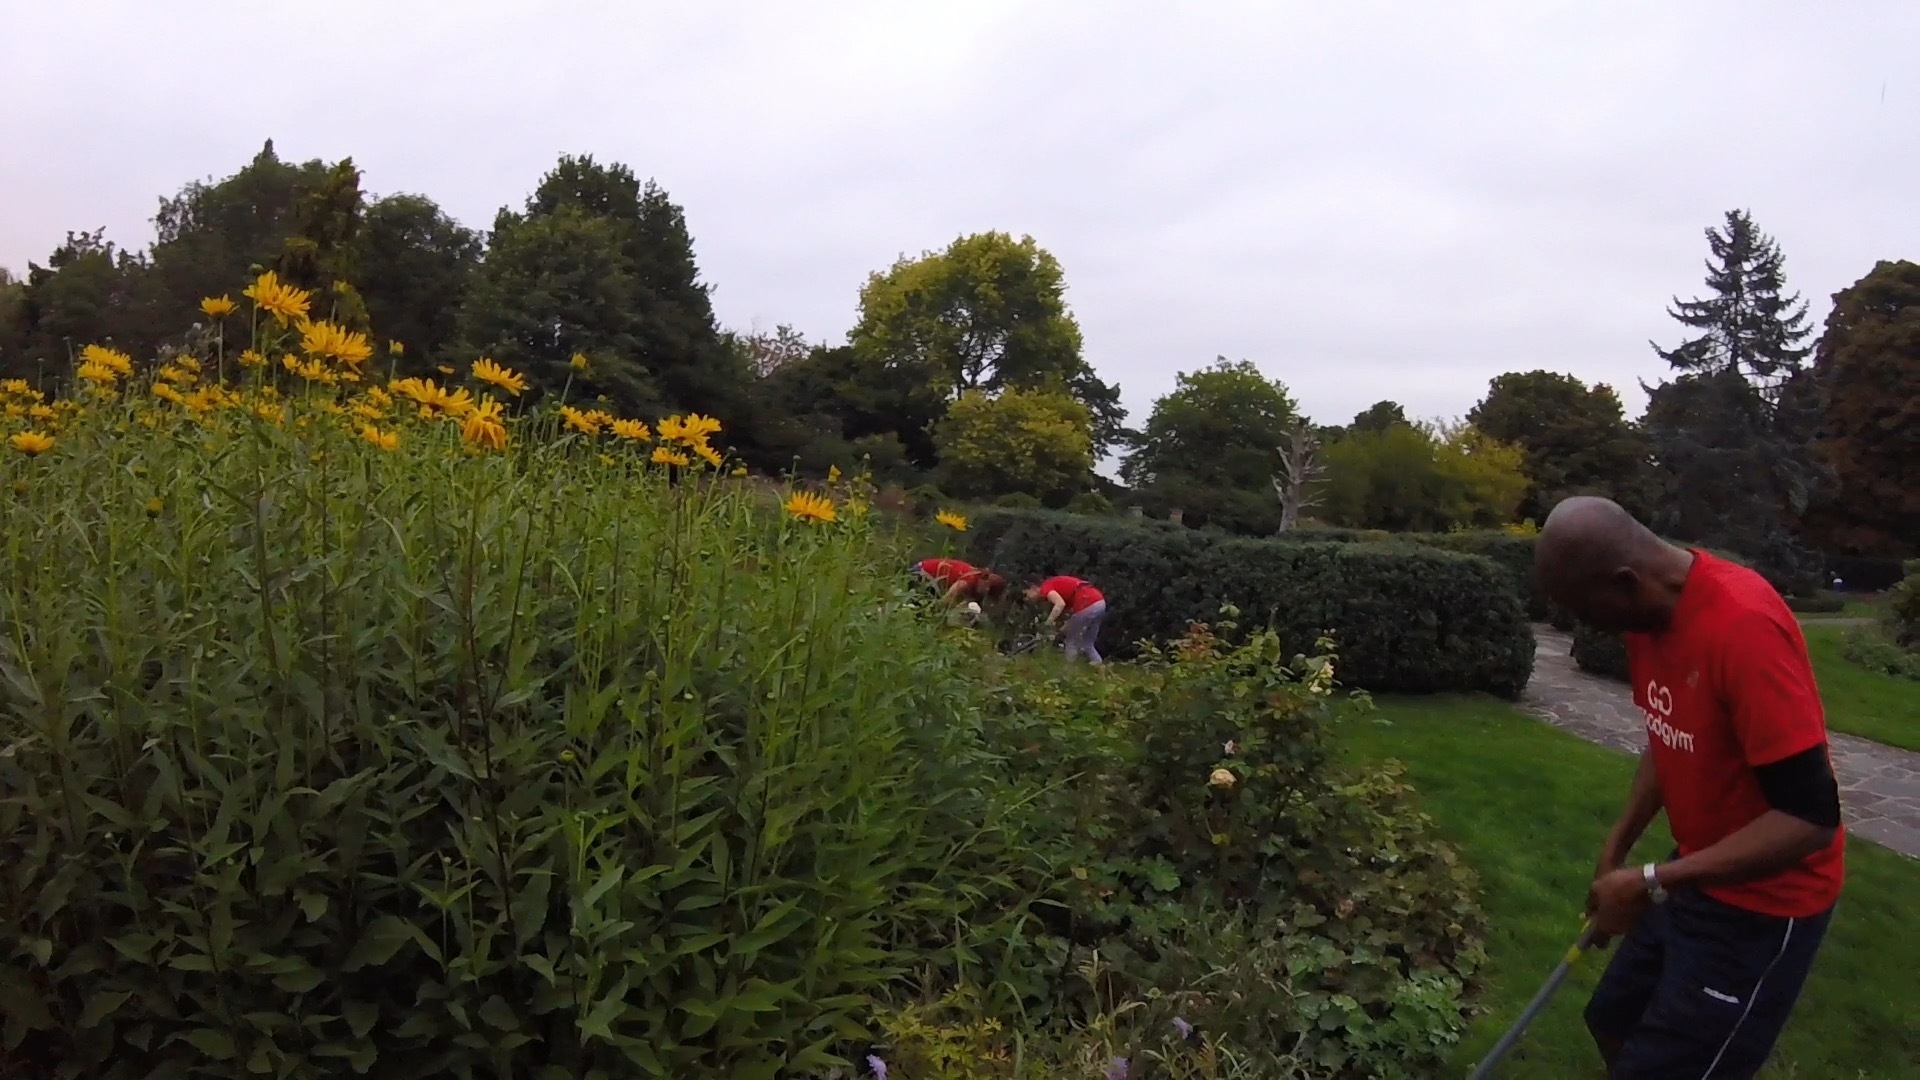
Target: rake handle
[1512,1036]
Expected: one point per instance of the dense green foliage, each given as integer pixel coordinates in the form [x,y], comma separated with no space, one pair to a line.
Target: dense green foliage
[1576,438]
[1600,653]
[323,757]
[1405,617]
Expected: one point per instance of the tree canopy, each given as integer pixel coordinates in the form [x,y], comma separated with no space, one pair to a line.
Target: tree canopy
[1576,438]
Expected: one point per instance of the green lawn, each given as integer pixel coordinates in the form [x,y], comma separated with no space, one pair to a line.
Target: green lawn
[1529,806]
[1855,609]
[1869,704]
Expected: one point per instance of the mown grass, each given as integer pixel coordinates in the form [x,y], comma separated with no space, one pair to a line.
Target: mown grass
[1870,704]
[1529,805]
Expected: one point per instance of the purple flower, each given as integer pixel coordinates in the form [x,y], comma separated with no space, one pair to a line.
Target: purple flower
[1117,1069]
[879,1067]
[1180,1025]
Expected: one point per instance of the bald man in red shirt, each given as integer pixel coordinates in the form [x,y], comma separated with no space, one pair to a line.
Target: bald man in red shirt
[1719,937]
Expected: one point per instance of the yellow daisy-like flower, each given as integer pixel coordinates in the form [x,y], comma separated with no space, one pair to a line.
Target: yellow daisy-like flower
[272,414]
[112,359]
[327,339]
[166,392]
[956,522]
[385,440]
[15,411]
[14,387]
[218,307]
[506,379]
[708,454]
[282,301]
[444,369]
[833,474]
[688,430]
[207,399]
[632,429]
[396,348]
[42,413]
[98,374]
[664,456]
[485,426]
[31,443]
[579,362]
[811,508]
[186,363]
[367,410]
[174,374]
[434,401]
[154,506]
[249,358]
[582,421]
[379,398]
[311,369]
[739,471]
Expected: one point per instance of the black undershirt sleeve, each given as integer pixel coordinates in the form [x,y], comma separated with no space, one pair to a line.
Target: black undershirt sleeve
[1802,785]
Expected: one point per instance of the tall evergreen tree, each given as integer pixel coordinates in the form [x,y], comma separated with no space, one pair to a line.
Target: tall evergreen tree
[1733,468]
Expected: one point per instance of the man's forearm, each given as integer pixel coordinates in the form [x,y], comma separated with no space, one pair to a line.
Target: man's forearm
[1765,846]
[1643,802]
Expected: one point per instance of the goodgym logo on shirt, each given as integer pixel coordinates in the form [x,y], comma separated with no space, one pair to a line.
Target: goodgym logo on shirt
[1658,709]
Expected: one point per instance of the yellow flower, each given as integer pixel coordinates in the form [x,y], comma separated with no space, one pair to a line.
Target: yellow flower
[690,430]
[41,413]
[664,456]
[485,426]
[218,307]
[174,374]
[506,379]
[432,399]
[378,397]
[739,471]
[609,460]
[367,410]
[632,429]
[857,507]
[833,474]
[272,414]
[673,429]
[31,443]
[311,369]
[208,398]
[98,374]
[587,423]
[951,520]
[15,387]
[15,412]
[165,392]
[579,362]
[445,369]
[385,440]
[280,300]
[319,339]
[396,348]
[112,359]
[154,506]
[1223,778]
[708,454]
[250,358]
[809,507]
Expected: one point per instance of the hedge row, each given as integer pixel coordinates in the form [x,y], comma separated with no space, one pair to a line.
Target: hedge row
[1406,617]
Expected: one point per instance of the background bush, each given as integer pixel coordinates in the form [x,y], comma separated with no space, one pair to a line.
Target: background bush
[1817,603]
[1406,617]
[1600,653]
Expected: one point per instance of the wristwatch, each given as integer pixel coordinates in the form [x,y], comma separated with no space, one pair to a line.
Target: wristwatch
[1654,888]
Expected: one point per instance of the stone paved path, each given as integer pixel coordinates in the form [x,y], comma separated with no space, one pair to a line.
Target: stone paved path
[1879,785]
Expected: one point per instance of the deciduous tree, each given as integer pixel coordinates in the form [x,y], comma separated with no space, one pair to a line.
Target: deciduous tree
[1577,438]
[1036,442]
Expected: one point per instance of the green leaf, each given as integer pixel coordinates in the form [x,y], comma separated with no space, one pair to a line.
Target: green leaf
[599,1022]
[530,905]
[100,1005]
[299,981]
[382,938]
[361,1016]
[497,1012]
[211,1042]
[313,905]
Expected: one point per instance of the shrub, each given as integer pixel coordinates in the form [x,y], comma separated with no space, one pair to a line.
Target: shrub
[1226,870]
[1818,603]
[1871,648]
[1512,552]
[1090,504]
[1600,653]
[1903,608]
[1407,618]
[1017,500]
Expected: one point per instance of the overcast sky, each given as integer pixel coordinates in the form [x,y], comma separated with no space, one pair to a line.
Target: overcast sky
[1368,199]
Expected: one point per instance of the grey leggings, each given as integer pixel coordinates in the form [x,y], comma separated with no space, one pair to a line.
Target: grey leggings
[1083,627]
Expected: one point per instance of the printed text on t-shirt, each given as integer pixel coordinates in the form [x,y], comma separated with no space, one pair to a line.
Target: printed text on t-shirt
[1658,708]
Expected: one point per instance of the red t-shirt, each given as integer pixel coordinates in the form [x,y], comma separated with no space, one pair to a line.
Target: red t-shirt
[1078,594]
[949,572]
[1725,687]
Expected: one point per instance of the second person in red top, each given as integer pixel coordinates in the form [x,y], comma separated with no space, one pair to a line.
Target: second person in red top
[1085,608]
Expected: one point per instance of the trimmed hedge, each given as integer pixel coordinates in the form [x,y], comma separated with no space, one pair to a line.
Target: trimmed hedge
[1600,653]
[1862,573]
[1406,617]
[1820,603]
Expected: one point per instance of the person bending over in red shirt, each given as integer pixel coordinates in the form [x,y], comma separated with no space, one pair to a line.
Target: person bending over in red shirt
[1718,938]
[959,580]
[1084,607]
